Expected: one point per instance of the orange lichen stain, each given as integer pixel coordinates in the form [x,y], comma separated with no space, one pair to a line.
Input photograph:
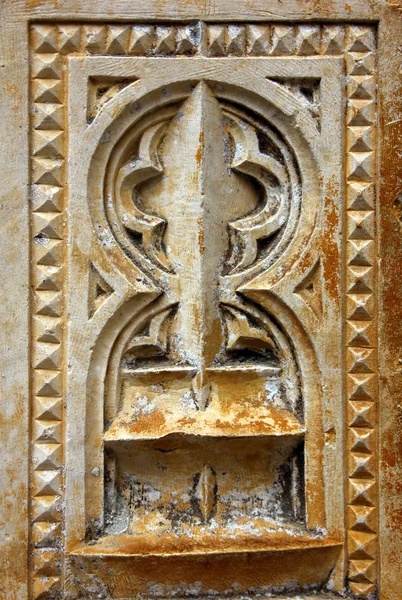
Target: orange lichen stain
[389,457]
[201,235]
[394,518]
[170,544]
[267,420]
[348,8]
[305,263]
[186,421]
[216,561]
[233,387]
[198,154]
[12,90]
[389,227]
[329,247]
[31,4]
[197,316]
[153,421]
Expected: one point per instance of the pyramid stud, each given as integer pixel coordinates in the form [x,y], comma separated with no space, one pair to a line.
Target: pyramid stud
[46,562]
[47,329]
[47,356]
[46,457]
[360,38]
[361,387]
[117,39]
[47,432]
[333,40]
[360,64]
[217,40]
[141,39]
[46,483]
[48,144]
[47,171]
[362,439]
[258,40]
[44,38]
[188,39]
[362,492]
[48,303]
[236,40]
[360,112]
[361,413]
[45,535]
[47,116]
[47,409]
[46,66]
[47,90]
[361,87]
[282,40]
[47,383]
[308,40]
[360,196]
[362,518]
[69,38]
[95,38]
[165,42]
[45,588]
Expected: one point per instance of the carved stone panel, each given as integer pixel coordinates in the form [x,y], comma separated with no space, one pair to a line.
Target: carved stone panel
[207,248]
[203,206]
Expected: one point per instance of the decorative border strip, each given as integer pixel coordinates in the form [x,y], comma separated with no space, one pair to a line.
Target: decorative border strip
[50,43]
[48,274]
[191,39]
[361,327]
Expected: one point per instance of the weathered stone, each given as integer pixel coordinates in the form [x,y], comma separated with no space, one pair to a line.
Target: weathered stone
[201,372]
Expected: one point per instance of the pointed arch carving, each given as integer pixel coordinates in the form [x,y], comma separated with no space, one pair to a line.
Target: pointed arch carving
[163,357]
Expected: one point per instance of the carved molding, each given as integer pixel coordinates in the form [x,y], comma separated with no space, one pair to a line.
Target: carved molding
[361,359]
[51,44]
[196,38]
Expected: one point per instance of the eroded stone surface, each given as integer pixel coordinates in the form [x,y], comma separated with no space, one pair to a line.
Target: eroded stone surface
[204,309]
[205,299]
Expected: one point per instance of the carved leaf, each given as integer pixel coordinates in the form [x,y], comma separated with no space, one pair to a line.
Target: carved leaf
[307,92]
[101,91]
[206,185]
[310,289]
[242,335]
[274,181]
[206,492]
[154,340]
[145,166]
[99,291]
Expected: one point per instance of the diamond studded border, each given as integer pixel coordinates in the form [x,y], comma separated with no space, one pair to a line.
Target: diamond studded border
[361,326]
[50,43]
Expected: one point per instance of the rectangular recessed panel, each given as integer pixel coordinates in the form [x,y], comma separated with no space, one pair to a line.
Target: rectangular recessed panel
[207,203]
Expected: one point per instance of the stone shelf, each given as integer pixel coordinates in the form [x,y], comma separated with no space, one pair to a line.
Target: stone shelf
[237,421]
[273,542]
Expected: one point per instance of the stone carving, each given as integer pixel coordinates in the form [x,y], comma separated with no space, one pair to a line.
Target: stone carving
[47,222]
[99,290]
[170,219]
[101,91]
[310,289]
[253,240]
[205,491]
[360,283]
